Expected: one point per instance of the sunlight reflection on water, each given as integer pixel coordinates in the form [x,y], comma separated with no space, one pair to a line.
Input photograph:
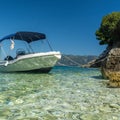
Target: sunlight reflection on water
[66,93]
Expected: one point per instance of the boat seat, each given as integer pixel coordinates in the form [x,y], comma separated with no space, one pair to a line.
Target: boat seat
[20,52]
[9,58]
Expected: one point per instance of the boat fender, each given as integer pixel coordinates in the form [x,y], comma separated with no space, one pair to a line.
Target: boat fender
[6,63]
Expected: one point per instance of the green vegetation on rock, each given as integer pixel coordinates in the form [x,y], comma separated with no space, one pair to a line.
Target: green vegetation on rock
[109,31]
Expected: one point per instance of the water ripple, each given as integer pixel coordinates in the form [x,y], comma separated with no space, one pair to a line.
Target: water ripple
[66,93]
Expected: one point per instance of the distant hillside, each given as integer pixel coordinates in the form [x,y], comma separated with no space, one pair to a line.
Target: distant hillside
[75,60]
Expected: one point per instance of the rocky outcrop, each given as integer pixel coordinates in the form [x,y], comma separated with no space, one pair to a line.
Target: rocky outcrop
[97,63]
[110,67]
[109,62]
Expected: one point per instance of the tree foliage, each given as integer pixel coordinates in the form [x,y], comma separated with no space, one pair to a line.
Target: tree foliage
[109,31]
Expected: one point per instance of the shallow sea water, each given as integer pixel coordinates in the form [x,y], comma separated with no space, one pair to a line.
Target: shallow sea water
[66,93]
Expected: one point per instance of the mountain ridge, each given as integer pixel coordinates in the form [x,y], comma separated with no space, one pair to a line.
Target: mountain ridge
[75,60]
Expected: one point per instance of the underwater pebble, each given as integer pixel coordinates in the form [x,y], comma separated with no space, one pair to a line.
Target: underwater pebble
[115,106]
[19,101]
[62,95]
[10,103]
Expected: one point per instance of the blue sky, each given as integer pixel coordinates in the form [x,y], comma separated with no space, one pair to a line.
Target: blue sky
[70,25]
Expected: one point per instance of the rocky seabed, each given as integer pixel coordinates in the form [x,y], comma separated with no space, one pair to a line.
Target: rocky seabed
[62,95]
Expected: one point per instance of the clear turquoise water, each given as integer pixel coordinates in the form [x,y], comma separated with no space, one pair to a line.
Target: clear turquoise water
[66,93]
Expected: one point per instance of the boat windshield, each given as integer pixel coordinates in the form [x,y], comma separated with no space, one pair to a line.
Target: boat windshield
[22,43]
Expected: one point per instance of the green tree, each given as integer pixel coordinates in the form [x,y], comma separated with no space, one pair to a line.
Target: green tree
[109,31]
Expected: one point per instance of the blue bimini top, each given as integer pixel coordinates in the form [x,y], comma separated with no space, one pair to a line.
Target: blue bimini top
[25,36]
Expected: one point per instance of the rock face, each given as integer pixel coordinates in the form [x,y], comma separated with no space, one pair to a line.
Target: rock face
[97,63]
[110,67]
[109,62]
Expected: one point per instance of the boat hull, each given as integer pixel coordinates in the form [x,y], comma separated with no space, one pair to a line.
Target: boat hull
[37,62]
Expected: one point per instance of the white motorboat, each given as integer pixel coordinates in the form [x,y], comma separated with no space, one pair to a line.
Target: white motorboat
[26,60]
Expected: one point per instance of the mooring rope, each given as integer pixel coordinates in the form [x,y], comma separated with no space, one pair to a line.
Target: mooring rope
[73,61]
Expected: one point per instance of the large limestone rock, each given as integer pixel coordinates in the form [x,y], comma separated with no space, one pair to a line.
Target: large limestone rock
[110,68]
[98,62]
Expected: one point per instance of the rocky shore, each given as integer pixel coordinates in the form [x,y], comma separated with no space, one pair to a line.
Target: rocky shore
[111,67]
[109,62]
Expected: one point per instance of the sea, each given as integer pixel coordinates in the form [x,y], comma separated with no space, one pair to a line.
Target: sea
[66,93]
